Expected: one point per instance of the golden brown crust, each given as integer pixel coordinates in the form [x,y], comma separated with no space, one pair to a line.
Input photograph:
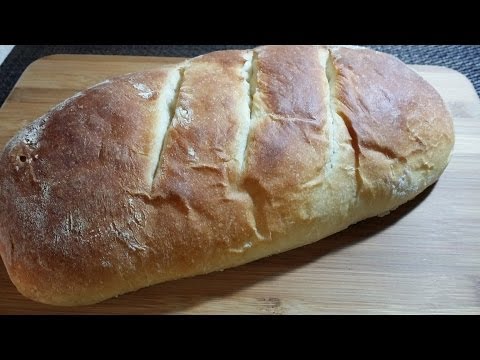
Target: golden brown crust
[402,132]
[195,201]
[231,157]
[73,228]
[289,144]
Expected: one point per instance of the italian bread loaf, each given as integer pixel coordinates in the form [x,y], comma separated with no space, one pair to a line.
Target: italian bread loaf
[224,159]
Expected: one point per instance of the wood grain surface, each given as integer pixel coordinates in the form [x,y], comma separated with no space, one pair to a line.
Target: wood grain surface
[422,258]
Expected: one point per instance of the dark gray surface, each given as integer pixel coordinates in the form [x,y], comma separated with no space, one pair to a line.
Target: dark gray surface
[463,58]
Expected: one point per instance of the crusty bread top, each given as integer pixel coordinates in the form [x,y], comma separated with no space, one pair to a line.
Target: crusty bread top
[394,118]
[226,158]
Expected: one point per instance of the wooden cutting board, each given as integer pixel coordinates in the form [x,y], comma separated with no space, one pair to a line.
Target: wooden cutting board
[423,258]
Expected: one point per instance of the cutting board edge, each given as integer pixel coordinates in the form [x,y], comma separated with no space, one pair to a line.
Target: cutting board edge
[63,57]
[161,59]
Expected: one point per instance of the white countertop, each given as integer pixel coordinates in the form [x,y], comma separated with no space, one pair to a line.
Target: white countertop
[4,51]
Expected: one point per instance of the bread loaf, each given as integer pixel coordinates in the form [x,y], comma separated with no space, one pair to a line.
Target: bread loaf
[225,159]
